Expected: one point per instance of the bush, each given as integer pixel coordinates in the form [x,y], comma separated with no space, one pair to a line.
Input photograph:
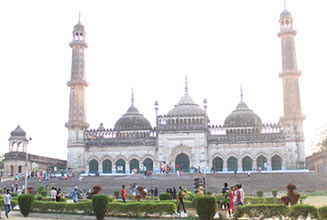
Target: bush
[260,200]
[322,211]
[63,207]
[274,193]
[205,207]
[100,205]
[14,194]
[62,199]
[39,189]
[38,197]
[209,193]
[262,210]
[25,203]
[145,208]
[116,194]
[165,196]
[303,211]
[260,193]
[14,202]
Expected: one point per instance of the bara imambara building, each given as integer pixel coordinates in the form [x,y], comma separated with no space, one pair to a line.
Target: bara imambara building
[184,136]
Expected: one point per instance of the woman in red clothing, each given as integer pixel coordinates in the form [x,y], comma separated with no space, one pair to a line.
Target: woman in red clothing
[231,201]
[123,193]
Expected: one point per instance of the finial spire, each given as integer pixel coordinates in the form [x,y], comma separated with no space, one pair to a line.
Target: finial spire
[79,17]
[241,93]
[284,4]
[186,88]
[132,97]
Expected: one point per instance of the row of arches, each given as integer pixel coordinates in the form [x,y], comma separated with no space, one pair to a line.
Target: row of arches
[247,163]
[181,121]
[120,165]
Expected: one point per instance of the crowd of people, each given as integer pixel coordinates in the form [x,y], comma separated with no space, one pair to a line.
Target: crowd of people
[235,196]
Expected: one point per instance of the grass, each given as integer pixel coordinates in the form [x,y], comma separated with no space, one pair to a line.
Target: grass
[316,201]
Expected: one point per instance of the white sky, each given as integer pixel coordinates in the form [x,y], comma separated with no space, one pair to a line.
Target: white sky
[150,46]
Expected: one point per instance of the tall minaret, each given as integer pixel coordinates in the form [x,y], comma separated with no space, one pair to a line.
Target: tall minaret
[77,118]
[293,118]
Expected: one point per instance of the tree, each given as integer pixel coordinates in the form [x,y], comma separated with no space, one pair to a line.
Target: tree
[322,142]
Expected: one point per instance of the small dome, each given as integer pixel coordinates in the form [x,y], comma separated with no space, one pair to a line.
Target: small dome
[132,121]
[18,132]
[186,107]
[242,116]
[285,14]
[79,27]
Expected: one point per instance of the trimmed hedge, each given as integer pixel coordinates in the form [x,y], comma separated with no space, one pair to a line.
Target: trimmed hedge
[14,203]
[100,205]
[63,207]
[141,208]
[261,200]
[25,202]
[322,211]
[205,207]
[303,211]
[165,196]
[260,194]
[274,193]
[260,210]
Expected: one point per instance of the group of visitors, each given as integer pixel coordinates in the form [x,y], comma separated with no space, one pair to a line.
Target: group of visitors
[165,168]
[235,194]
[172,192]
[55,194]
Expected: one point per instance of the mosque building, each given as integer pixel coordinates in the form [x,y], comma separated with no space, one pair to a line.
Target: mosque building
[184,137]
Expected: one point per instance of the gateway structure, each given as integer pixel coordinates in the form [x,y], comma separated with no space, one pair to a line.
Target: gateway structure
[183,137]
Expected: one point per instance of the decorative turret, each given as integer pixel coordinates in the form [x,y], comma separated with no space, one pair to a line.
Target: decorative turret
[77,117]
[293,117]
[17,140]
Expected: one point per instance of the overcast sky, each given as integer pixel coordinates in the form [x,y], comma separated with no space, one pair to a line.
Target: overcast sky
[150,46]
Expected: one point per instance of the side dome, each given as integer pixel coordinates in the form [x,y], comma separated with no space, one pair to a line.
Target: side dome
[242,116]
[18,132]
[186,107]
[132,121]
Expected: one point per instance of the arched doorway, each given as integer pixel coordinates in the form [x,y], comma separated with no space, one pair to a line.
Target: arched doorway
[148,163]
[261,160]
[120,166]
[107,166]
[182,161]
[93,166]
[232,164]
[134,164]
[11,170]
[20,169]
[217,164]
[247,163]
[276,162]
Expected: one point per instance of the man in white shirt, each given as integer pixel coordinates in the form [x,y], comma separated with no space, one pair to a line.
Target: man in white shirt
[6,200]
[53,194]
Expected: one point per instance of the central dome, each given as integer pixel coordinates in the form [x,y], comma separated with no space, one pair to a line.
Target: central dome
[132,121]
[242,116]
[186,107]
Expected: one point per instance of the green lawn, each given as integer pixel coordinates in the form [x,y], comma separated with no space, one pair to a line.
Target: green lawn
[316,201]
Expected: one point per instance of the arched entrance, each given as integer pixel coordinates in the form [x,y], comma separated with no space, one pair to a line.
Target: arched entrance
[148,163]
[134,164]
[107,166]
[11,170]
[276,162]
[261,160]
[182,162]
[93,166]
[120,166]
[217,164]
[232,164]
[20,169]
[247,163]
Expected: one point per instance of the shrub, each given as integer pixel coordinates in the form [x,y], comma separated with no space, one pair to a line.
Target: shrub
[116,194]
[39,189]
[322,211]
[262,210]
[165,196]
[44,193]
[14,202]
[260,193]
[100,205]
[274,193]
[14,194]
[303,211]
[63,207]
[205,207]
[260,200]
[209,193]
[25,203]
[38,197]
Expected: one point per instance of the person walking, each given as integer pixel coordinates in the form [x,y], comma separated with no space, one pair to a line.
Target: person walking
[7,202]
[123,193]
[231,201]
[180,200]
[155,191]
[75,194]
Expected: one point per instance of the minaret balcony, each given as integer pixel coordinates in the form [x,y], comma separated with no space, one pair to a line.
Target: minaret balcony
[77,124]
[287,33]
[290,74]
[78,43]
[77,83]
